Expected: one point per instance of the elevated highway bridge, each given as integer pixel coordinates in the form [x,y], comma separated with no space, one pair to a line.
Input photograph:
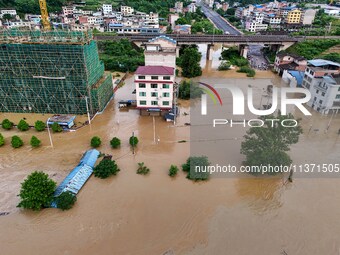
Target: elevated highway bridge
[276,42]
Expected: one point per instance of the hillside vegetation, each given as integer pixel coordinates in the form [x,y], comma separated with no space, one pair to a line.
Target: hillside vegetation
[312,48]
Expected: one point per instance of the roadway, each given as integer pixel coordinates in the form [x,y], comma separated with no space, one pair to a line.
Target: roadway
[219,22]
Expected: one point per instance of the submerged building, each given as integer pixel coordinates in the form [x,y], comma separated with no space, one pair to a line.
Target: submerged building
[52,72]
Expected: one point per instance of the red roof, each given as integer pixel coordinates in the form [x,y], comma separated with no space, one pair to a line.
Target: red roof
[150,70]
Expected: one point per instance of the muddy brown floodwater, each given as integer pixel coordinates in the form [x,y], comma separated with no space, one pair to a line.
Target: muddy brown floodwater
[132,214]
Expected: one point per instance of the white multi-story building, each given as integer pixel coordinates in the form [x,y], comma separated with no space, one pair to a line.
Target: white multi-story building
[179,7]
[272,19]
[160,50]
[68,10]
[192,7]
[332,12]
[126,10]
[154,88]
[254,23]
[253,26]
[11,12]
[322,78]
[107,9]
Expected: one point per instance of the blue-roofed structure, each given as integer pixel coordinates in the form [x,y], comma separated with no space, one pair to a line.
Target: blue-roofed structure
[298,75]
[322,63]
[78,176]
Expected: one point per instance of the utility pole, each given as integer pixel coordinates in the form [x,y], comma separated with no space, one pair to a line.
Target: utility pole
[49,132]
[87,109]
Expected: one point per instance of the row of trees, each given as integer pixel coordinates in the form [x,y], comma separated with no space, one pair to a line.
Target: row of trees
[115,142]
[24,126]
[17,142]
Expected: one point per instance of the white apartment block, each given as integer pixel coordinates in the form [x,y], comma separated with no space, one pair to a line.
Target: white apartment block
[107,9]
[272,20]
[68,10]
[154,88]
[332,12]
[322,78]
[126,10]
[8,11]
[253,26]
[192,7]
[159,51]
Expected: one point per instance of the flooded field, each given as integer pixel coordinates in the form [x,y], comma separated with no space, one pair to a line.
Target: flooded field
[132,214]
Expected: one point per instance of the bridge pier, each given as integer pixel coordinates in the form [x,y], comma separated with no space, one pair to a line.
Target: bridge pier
[177,51]
[243,50]
[210,51]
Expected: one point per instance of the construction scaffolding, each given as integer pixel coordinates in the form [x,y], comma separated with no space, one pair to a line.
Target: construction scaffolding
[51,72]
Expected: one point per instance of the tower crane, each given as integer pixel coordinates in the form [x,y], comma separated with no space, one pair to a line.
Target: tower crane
[44,15]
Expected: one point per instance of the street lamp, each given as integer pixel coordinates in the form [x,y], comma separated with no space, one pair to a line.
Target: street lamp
[49,132]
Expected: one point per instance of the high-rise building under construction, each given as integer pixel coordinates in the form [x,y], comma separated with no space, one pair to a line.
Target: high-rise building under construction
[52,72]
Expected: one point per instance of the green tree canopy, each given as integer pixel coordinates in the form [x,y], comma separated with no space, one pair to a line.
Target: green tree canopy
[95,142]
[268,145]
[23,125]
[190,168]
[115,142]
[39,125]
[36,191]
[190,62]
[142,169]
[16,142]
[35,142]
[65,200]
[133,141]
[56,128]
[2,140]
[7,124]
[106,168]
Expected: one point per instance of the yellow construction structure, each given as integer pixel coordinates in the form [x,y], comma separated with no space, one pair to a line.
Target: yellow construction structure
[44,15]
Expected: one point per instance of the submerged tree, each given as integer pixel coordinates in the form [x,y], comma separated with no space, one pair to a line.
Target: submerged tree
[190,62]
[196,168]
[268,145]
[35,142]
[106,168]
[16,142]
[39,125]
[37,191]
[6,124]
[65,200]
[2,140]
[23,125]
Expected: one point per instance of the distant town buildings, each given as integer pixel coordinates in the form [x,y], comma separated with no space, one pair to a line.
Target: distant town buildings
[275,15]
